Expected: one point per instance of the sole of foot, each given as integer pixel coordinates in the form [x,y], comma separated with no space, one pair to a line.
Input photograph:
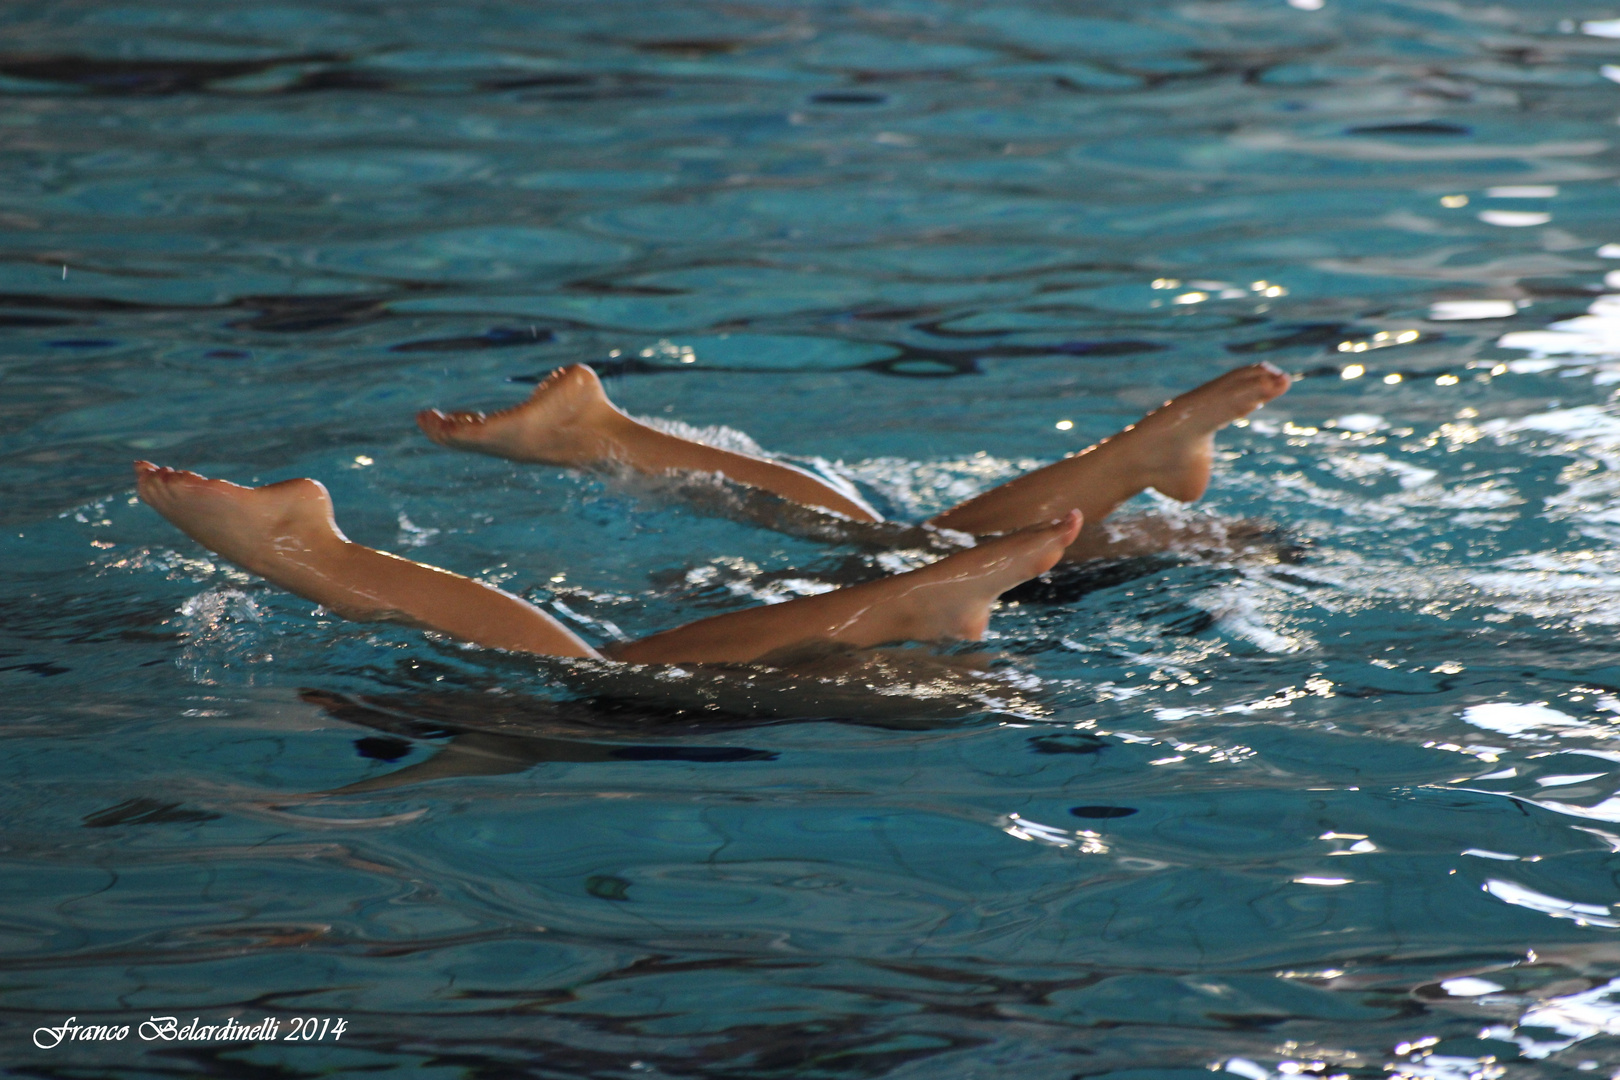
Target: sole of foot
[1179,438]
[248,526]
[562,423]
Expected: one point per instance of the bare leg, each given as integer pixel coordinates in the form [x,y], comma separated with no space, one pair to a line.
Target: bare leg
[286,533]
[946,600]
[1170,449]
[568,420]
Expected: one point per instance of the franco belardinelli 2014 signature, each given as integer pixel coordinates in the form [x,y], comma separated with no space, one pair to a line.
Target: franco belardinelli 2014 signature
[172,1029]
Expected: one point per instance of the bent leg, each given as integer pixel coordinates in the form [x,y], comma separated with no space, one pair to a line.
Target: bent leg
[1171,449]
[286,534]
[946,600]
[568,420]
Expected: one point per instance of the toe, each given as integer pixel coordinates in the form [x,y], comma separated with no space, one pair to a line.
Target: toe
[1274,378]
[440,425]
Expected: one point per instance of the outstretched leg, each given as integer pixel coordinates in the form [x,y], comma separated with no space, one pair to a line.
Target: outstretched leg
[568,420]
[1171,449]
[286,533]
[948,600]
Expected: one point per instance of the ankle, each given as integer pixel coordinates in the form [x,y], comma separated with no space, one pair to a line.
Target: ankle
[616,426]
[296,552]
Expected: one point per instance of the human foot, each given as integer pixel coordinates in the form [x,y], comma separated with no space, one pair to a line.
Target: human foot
[950,599]
[265,530]
[285,533]
[1175,444]
[568,420]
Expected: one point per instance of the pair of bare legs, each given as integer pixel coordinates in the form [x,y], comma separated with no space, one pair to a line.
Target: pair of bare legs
[569,421]
[287,532]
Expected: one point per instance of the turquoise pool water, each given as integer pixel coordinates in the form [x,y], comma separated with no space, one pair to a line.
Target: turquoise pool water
[1347,807]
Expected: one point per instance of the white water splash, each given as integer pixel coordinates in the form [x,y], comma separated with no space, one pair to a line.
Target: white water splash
[223,628]
[412,535]
[1238,614]
[718,435]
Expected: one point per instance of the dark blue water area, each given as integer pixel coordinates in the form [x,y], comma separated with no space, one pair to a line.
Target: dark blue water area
[1344,802]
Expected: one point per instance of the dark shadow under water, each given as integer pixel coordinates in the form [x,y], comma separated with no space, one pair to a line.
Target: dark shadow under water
[490,733]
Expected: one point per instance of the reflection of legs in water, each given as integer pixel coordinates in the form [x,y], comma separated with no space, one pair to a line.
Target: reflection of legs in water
[541,733]
[286,533]
[484,753]
[569,421]
[475,753]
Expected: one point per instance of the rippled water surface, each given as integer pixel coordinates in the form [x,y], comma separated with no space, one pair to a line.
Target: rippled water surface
[1345,805]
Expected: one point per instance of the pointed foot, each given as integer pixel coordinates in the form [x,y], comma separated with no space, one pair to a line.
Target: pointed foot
[1178,440]
[568,420]
[252,527]
[951,599]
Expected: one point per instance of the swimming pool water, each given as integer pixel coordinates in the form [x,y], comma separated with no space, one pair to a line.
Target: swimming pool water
[1347,807]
